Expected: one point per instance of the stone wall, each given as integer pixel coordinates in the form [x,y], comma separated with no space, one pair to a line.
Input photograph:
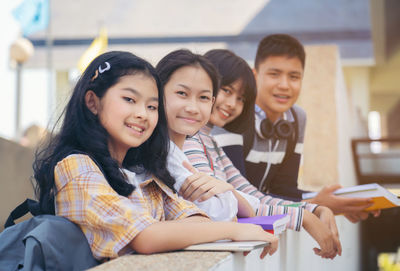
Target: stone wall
[327,149]
[16,170]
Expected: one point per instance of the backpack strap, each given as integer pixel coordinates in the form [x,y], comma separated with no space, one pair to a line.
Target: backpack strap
[27,206]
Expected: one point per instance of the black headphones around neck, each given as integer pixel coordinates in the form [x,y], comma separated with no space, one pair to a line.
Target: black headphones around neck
[283,129]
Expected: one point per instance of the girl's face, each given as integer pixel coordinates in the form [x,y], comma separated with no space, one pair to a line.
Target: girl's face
[128,111]
[188,99]
[228,105]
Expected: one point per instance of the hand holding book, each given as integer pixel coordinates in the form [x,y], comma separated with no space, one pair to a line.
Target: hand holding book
[354,202]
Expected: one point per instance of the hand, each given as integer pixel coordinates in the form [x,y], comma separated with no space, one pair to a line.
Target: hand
[248,232]
[355,217]
[326,216]
[201,186]
[340,205]
[329,245]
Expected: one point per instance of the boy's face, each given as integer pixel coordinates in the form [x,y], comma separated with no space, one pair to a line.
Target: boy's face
[279,81]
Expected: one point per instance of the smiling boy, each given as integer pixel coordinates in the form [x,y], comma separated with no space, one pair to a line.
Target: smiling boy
[273,160]
[273,151]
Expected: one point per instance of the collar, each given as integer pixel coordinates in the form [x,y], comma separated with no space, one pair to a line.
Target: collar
[207,128]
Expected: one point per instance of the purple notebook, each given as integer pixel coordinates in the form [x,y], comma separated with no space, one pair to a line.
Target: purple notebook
[276,223]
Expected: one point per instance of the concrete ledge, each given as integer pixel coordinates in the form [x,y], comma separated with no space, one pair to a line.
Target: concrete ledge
[294,253]
[181,260]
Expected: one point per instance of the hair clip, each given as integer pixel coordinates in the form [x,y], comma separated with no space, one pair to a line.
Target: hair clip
[108,66]
[100,70]
[96,74]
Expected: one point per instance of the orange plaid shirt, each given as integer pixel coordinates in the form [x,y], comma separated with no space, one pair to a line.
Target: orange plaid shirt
[108,220]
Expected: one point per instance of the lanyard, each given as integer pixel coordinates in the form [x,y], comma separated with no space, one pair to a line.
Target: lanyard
[210,162]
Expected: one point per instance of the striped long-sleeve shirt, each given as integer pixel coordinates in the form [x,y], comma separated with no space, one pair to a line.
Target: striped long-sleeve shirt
[205,155]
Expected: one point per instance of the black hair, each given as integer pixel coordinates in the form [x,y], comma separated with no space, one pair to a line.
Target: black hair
[232,68]
[279,45]
[81,131]
[182,58]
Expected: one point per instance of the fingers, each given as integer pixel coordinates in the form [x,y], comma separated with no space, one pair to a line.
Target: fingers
[350,217]
[376,213]
[338,246]
[188,182]
[274,245]
[355,217]
[264,252]
[331,188]
[189,167]
[270,249]
[246,253]
[208,195]
[216,188]
[191,184]
[356,203]
[204,190]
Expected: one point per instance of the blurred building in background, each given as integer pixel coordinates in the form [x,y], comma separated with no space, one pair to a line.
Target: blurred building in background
[352,69]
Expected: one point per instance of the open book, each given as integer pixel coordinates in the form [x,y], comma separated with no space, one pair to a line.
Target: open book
[228,245]
[274,224]
[381,196]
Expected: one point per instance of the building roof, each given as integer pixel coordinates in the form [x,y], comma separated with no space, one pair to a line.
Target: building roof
[153,28]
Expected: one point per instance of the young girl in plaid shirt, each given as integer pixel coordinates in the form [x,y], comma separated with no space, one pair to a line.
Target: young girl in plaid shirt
[106,168]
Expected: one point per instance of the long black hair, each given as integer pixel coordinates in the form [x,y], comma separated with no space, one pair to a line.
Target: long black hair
[81,131]
[232,68]
[182,58]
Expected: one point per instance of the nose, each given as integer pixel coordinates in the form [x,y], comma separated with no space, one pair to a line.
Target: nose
[192,106]
[284,82]
[140,111]
[231,101]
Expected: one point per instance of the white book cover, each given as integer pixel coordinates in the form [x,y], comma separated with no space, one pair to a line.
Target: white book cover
[228,245]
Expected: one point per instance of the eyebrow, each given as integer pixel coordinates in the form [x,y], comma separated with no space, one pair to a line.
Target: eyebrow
[188,88]
[279,70]
[137,93]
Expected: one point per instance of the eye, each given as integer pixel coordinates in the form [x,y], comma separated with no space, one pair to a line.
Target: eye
[241,99]
[205,98]
[294,77]
[273,74]
[129,100]
[152,107]
[181,93]
[227,91]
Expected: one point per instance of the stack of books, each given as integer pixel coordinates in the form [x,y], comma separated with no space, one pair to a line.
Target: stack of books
[275,224]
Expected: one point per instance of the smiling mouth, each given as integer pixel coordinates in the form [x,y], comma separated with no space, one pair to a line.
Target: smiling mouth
[224,113]
[135,128]
[280,96]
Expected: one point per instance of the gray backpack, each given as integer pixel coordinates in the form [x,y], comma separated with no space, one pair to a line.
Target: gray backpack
[44,242]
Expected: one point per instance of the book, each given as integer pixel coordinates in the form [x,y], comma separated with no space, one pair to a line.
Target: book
[228,245]
[274,224]
[381,196]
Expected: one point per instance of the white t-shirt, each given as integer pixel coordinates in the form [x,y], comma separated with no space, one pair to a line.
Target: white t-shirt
[221,207]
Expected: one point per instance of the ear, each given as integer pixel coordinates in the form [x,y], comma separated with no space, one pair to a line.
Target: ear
[213,100]
[254,72]
[92,101]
